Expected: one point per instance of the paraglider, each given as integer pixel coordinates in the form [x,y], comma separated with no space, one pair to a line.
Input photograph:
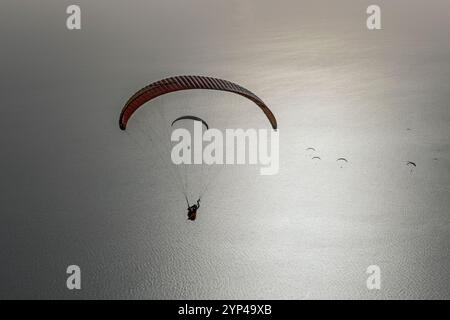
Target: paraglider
[192,210]
[179,83]
[411,165]
[310,151]
[318,158]
[191,118]
[341,161]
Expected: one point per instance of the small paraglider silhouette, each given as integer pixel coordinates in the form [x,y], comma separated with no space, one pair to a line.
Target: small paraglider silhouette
[412,165]
[341,160]
[194,118]
[310,151]
[316,158]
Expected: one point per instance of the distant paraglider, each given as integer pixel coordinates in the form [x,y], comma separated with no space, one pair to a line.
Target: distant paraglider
[341,161]
[194,118]
[316,158]
[411,165]
[310,151]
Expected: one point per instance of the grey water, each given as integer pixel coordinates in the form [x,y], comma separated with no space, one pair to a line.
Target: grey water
[76,190]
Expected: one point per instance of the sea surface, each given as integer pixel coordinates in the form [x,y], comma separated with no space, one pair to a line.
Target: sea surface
[75,189]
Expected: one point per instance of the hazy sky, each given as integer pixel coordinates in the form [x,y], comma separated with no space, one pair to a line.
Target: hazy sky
[76,190]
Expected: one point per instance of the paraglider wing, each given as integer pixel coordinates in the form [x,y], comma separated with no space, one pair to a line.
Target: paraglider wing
[310,149]
[178,83]
[191,118]
[316,158]
[411,163]
[342,159]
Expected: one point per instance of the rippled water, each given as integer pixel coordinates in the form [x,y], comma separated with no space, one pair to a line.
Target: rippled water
[76,190]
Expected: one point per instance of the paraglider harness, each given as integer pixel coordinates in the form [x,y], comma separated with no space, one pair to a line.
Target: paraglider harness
[192,210]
